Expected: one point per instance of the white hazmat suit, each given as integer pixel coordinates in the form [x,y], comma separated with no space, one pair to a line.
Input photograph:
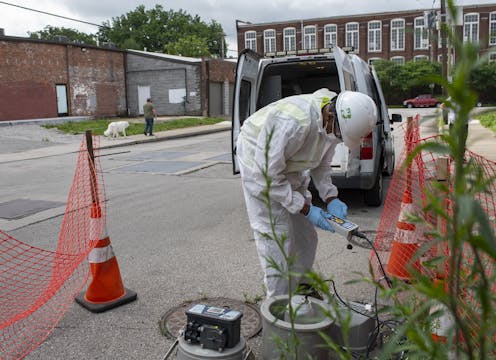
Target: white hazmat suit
[299,148]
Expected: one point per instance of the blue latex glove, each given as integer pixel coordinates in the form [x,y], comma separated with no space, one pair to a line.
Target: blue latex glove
[319,217]
[337,208]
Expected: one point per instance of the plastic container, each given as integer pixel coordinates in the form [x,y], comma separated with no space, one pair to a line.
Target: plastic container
[311,321]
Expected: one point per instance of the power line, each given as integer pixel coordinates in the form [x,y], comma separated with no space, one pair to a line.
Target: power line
[52,14]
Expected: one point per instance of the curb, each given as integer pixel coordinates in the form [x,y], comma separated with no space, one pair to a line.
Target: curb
[169,137]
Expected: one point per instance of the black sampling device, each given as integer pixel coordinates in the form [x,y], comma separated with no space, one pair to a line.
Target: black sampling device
[212,327]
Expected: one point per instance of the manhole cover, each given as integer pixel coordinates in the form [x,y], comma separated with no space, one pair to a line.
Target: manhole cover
[20,208]
[175,319]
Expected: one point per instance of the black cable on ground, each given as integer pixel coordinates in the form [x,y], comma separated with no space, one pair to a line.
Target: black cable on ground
[363,236]
[379,324]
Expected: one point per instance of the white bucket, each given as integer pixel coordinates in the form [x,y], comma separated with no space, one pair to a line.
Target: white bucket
[312,322]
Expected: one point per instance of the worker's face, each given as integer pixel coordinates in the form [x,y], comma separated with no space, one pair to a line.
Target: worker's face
[328,119]
[330,122]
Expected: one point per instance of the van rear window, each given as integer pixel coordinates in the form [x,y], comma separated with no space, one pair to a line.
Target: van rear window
[280,80]
[244,101]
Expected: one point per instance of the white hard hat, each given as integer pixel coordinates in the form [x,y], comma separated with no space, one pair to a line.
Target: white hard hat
[357,116]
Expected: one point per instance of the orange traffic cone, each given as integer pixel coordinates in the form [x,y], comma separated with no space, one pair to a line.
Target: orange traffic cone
[106,290]
[404,244]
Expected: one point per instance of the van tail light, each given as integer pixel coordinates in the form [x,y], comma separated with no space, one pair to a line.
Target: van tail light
[367,148]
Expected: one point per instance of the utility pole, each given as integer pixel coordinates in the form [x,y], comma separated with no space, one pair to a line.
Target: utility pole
[444,53]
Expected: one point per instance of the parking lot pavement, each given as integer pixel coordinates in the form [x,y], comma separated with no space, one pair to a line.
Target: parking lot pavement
[126,330]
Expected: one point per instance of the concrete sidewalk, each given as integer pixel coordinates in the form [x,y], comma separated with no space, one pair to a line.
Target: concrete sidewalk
[107,143]
[481,140]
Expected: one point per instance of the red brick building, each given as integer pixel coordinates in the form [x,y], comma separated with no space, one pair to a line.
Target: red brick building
[218,86]
[44,79]
[399,36]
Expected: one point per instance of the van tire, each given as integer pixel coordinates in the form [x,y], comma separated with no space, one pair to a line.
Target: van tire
[373,197]
[389,164]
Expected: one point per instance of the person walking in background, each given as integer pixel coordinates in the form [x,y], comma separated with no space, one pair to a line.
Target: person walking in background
[150,113]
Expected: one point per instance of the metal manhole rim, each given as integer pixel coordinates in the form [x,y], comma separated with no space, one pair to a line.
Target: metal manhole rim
[251,322]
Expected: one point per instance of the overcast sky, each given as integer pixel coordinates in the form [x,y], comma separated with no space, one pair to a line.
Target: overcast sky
[17,22]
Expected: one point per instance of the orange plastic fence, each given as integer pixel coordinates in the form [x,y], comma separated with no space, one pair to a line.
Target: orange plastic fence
[36,285]
[412,182]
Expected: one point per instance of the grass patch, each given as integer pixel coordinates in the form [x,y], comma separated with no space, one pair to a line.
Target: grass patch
[98,126]
[488,120]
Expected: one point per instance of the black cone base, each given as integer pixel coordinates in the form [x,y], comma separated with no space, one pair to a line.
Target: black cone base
[101,307]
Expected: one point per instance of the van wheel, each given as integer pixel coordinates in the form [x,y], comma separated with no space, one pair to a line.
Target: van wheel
[389,170]
[373,197]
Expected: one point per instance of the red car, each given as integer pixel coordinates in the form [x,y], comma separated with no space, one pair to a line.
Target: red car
[424,100]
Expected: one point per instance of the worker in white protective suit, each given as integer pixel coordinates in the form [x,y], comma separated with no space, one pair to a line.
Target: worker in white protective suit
[297,135]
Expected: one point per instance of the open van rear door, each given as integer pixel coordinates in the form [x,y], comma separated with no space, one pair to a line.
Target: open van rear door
[389,157]
[347,79]
[245,90]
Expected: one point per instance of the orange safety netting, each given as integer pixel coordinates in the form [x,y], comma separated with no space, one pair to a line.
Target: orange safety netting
[398,231]
[37,286]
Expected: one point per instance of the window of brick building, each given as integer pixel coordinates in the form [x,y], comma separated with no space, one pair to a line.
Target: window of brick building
[400,60]
[352,35]
[289,35]
[251,40]
[309,37]
[372,60]
[492,57]
[269,40]
[471,27]
[420,58]
[375,34]
[398,34]
[492,28]
[330,35]
[421,34]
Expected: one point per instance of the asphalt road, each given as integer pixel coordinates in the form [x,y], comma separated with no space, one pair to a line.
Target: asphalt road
[178,236]
[178,225]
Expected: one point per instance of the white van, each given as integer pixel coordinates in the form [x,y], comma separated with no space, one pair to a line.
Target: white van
[261,81]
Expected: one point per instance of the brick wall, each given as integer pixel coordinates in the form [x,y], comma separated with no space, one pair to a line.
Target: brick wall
[30,70]
[96,81]
[217,71]
[221,70]
[28,75]
[408,53]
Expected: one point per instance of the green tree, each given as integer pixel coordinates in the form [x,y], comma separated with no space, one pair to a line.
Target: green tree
[419,75]
[51,32]
[190,45]
[399,82]
[483,81]
[158,30]
[389,74]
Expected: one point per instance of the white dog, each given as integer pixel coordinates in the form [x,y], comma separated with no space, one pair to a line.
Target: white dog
[115,128]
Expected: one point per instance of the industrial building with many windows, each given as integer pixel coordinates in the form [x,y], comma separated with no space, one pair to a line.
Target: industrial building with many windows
[397,36]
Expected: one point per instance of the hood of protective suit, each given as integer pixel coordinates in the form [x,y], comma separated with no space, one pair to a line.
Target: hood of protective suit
[323,97]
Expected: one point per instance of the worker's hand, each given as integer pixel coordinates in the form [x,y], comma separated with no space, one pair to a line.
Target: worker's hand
[337,208]
[319,217]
